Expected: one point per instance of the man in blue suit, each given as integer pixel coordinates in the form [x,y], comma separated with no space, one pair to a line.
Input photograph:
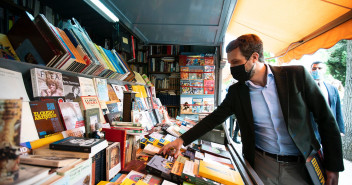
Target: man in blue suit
[331,96]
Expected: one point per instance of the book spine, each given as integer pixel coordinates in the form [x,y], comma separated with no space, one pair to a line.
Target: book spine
[70,148]
[34,82]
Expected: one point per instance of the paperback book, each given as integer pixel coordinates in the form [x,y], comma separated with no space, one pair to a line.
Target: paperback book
[46,160]
[71,115]
[72,89]
[87,145]
[46,83]
[87,86]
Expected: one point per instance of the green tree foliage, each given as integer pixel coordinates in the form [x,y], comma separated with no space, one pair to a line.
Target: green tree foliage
[272,61]
[337,61]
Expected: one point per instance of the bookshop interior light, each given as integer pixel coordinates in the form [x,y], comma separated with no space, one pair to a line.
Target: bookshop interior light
[103,10]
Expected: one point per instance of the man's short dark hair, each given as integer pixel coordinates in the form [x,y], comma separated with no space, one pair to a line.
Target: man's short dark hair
[248,44]
[316,62]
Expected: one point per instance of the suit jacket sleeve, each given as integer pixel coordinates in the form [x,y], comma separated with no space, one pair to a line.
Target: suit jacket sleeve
[329,133]
[339,118]
[212,120]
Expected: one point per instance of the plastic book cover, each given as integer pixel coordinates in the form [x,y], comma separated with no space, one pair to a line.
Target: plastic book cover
[46,83]
[184,72]
[6,49]
[72,89]
[46,117]
[71,114]
[186,105]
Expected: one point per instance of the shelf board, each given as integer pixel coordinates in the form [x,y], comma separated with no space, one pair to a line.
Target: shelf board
[172,106]
[161,56]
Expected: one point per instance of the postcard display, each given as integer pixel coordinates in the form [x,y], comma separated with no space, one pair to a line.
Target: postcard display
[197,85]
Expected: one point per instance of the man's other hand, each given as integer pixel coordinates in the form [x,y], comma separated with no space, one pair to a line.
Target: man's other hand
[175,146]
[332,178]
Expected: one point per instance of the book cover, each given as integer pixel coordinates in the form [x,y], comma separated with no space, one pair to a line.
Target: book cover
[114,117]
[28,129]
[209,60]
[6,49]
[150,149]
[184,72]
[115,135]
[12,85]
[46,160]
[78,173]
[90,102]
[208,105]
[92,120]
[10,123]
[316,170]
[186,105]
[217,152]
[209,83]
[46,117]
[112,94]
[72,89]
[209,76]
[87,86]
[101,89]
[135,176]
[119,91]
[159,165]
[208,90]
[88,145]
[152,179]
[209,68]
[46,83]
[113,160]
[45,151]
[220,174]
[197,105]
[76,132]
[71,114]
[29,174]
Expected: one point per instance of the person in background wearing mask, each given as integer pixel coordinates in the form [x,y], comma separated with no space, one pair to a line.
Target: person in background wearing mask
[331,96]
[272,105]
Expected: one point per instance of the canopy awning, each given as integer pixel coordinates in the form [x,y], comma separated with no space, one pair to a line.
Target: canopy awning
[297,26]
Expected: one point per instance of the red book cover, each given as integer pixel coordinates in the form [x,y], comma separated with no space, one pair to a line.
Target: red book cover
[168,50]
[114,135]
[133,48]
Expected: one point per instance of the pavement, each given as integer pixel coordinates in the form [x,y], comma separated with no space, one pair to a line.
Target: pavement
[345,177]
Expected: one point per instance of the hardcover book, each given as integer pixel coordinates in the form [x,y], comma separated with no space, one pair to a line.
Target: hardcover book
[71,115]
[115,135]
[220,174]
[46,83]
[46,160]
[46,117]
[186,105]
[316,169]
[72,89]
[87,145]
[113,160]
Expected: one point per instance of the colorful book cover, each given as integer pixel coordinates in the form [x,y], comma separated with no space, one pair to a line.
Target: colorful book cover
[101,89]
[87,86]
[160,165]
[209,60]
[112,94]
[113,160]
[208,90]
[209,83]
[209,76]
[71,115]
[92,120]
[80,173]
[208,104]
[72,90]
[46,117]
[6,49]
[197,105]
[46,83]
[115,116]
[135,176]
[186,105]
[315,167]
[184,72]
[10,126]
[195,90]
[196,83]
[89,102]
[219,174]
[119,91]
[209,68]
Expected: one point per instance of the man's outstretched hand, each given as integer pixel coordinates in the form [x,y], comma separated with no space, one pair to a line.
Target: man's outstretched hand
[172,148]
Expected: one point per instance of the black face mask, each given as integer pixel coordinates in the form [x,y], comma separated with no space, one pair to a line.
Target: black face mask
[240,74]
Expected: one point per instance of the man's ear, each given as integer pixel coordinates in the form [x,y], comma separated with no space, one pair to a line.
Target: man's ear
[255,57]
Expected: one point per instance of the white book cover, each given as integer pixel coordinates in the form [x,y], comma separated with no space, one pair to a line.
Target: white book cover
[87,86]
[28,128]
[118,90]
[186,105]
[208,105]
[101,88]
[46,83]
[71,114]
[11,85]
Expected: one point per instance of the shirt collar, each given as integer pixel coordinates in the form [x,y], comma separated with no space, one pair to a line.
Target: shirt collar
[269,74]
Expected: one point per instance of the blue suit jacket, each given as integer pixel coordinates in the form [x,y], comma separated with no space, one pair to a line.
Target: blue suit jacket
[335,107]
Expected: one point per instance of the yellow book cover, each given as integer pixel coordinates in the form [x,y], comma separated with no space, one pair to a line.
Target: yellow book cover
[219,174]
[177,169]
[6,49]
[140,182]
[106,183]
[127,181]
[47,140]
[136,89]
